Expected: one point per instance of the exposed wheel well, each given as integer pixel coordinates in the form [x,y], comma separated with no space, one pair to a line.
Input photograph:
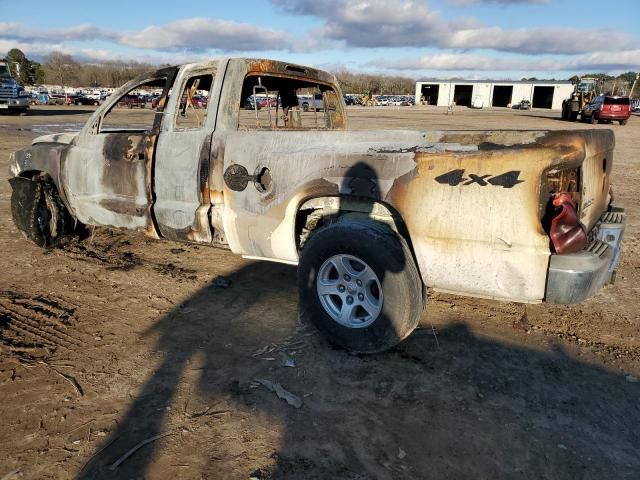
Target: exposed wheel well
[34,174]
[319,211]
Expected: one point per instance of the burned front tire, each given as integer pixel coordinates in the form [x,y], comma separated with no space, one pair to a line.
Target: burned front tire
[38,211]
[358,284]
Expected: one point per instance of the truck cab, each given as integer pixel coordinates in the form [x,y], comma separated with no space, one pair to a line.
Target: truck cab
[13,97]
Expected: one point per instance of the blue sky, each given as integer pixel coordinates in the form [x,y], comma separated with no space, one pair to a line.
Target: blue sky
[415,38]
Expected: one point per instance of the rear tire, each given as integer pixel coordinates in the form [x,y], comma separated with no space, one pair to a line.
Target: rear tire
[381,301]
[623,122]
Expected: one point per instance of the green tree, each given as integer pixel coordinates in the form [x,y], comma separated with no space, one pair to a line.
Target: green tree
[19,65]
[37,73]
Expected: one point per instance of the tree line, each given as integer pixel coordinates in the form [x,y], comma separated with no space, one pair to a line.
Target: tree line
[62,69]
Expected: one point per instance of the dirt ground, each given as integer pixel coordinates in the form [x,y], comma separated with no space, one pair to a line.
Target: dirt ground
[124,340]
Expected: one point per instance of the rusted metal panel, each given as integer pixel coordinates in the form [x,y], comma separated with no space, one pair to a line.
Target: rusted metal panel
[182,163]
[238,69]
[107,176]
[472,202]
[43,157]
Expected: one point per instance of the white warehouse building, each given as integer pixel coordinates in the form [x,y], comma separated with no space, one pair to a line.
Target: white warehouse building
[493,93]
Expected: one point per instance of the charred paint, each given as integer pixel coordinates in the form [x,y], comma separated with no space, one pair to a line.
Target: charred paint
[127,172]
[485,239]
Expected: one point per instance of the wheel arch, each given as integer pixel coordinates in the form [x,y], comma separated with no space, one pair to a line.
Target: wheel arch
[41,159]
[314,212]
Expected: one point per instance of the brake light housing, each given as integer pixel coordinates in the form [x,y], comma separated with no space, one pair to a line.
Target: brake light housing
[567,234]
[561,219]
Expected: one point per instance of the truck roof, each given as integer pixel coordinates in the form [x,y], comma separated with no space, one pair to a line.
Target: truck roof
[264,65]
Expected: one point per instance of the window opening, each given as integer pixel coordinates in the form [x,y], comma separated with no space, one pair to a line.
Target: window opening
[194,102]
[283,103]
[134,111]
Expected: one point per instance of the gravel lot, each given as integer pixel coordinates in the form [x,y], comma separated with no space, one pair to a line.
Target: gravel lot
[107,344]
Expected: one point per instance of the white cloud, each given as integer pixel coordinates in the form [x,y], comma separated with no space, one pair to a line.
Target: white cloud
[200,34]
[598,61]
[16,31]
[193,34]
[463,3]
[539,40]
[411,23]
[373,23]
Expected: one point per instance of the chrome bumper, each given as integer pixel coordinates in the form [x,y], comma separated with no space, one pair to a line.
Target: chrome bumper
[18,102]
[575,277]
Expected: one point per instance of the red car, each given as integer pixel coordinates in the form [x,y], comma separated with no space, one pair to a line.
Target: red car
[199,101]
[608,108]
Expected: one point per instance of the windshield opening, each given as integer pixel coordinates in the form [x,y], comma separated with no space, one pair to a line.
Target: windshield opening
[4,71]
[586,86]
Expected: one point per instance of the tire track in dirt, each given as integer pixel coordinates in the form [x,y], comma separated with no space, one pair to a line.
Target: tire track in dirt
[33,327]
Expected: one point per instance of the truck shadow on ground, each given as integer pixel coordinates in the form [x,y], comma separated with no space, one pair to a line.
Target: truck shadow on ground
[465,407]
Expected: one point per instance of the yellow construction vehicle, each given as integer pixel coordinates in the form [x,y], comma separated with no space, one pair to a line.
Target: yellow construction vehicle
[584,91]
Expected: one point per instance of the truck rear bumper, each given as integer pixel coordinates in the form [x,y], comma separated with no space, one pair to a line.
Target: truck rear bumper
[575,277]
[613,115]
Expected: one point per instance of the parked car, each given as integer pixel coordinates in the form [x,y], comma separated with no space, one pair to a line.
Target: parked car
[374,220]
[131,101]
[383,100]
[56,99]
[311,102]
[352,100]
[93,95]
[83,100]
[250,103]
[607,108]
[199,101]
[70,99]
[522,105]
[408,101]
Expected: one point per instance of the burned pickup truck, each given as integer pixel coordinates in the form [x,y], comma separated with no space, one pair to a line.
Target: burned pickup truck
[371,218]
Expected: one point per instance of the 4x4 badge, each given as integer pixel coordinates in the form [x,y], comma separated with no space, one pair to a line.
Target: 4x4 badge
[456,177]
